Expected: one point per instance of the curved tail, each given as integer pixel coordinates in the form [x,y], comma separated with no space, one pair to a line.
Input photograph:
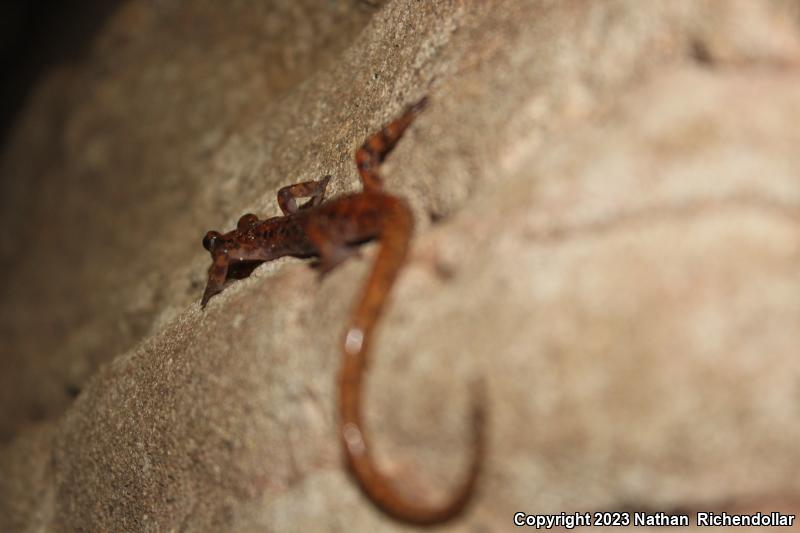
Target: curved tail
[394,239]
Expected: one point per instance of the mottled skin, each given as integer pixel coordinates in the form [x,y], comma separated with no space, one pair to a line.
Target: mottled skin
[331,230]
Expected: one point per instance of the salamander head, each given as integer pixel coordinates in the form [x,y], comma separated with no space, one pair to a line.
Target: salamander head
[215,241]
[212,240]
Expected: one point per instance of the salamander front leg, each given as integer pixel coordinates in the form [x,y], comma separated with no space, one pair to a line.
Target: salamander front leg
[217,274]
[287,196]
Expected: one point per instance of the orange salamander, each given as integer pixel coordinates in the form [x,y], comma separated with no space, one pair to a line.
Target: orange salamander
[331,230]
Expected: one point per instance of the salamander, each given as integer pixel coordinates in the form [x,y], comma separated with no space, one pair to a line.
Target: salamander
[331,231]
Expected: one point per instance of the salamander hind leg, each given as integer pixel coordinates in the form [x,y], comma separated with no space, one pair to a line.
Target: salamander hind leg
[379,144]
[335,255]
[332,249]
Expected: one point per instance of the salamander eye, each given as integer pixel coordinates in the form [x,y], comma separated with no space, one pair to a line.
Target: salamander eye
[210,240]
[246,222]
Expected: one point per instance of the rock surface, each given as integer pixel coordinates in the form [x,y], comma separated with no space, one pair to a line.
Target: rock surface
[608,232]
